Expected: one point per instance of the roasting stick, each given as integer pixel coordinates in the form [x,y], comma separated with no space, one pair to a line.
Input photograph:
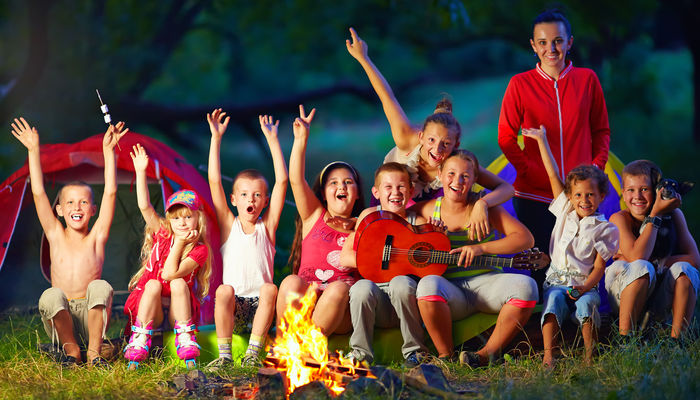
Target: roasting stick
[105,112]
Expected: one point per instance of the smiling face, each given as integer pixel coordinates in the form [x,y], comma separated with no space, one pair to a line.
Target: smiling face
[249,197]
[585,196]
[393,190]
[76,206]
[457,177]
[638,194]
[437,142]
[550,41]
[182,220]
[340,192]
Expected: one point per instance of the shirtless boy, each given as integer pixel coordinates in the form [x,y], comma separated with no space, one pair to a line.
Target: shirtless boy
[78,303]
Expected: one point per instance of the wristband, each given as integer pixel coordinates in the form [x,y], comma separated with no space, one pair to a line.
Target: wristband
[656,221]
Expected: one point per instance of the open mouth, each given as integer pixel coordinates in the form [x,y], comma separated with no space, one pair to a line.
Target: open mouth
[434,157]
[76,217]
[249,209]
[586,208]
[396,202]
[455,188]
[341,196]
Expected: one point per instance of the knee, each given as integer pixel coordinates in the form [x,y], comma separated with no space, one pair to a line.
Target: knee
[224,293]
[683,282]
[362,291]
[402,287]
[524,288]
[268,292]
[153,288]
[52,301]
[292,283]
[99,293]
[337,292]
[178,286]
[641,269]
[52,295]
[429,286]
[99,286]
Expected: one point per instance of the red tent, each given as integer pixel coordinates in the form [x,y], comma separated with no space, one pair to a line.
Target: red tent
[84,161]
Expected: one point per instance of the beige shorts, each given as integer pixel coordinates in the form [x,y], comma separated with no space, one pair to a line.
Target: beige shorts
[53,300]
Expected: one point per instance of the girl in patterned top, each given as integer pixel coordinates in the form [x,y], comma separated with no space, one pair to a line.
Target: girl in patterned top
[327,215]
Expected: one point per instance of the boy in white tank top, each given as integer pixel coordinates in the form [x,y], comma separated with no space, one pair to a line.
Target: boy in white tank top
[247,292]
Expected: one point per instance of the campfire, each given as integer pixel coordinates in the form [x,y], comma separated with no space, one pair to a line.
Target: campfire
[300,351]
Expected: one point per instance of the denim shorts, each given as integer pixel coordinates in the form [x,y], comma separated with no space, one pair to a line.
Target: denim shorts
[558,303]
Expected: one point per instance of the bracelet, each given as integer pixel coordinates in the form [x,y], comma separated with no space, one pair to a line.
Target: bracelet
[656,221]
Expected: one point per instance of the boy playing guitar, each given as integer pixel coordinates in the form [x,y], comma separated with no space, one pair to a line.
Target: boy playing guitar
[395,300]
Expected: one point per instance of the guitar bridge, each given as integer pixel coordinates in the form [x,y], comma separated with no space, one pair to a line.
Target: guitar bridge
[386,255]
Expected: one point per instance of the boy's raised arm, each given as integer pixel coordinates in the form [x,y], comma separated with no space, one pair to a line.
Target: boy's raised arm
[404,135]
[279,190]
[106,214]
[29,137]
[305,199]
[540,135]
[140,159]
[217,126]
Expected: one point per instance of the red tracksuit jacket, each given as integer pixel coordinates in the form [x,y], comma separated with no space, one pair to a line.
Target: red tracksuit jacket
[573,111]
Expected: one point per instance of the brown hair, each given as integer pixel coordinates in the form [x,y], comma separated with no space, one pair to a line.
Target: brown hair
[317,187]
[443,116]
[643,168]
[250,174]
[392,167]
[584,172]
[204,272]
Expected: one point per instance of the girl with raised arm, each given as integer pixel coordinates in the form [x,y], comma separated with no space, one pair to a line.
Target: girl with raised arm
[327,215]
[424,149]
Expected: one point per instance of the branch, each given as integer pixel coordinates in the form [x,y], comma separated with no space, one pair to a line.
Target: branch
[172,29]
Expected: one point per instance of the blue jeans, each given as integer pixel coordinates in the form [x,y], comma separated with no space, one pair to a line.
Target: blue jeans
[558,303]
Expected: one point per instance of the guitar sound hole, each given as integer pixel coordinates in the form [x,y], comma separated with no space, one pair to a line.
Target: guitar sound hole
[419,254]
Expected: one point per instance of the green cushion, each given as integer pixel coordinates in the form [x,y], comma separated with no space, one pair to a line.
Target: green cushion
[387,342]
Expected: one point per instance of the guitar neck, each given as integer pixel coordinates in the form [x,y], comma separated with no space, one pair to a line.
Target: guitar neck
[444,257]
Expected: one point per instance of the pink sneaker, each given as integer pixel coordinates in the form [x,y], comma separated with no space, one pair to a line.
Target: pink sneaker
[186,342]
[139,343]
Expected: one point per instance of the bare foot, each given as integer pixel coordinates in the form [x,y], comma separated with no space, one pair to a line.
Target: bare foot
[548,362]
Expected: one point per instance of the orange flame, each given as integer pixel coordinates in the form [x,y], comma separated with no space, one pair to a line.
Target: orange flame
[299,339]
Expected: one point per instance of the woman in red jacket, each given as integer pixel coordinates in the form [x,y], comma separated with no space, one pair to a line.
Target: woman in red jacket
[566,100]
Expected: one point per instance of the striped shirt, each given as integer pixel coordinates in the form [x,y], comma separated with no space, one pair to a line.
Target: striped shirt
[458,239]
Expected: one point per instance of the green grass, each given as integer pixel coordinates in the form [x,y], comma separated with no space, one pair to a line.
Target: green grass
[658,369]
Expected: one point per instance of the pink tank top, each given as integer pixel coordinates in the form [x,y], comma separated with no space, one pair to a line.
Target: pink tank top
[320,256]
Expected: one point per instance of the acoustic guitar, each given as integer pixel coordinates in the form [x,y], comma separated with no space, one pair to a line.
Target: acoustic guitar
[388,246]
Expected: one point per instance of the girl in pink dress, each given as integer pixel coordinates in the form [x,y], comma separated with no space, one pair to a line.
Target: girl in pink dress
[175,270]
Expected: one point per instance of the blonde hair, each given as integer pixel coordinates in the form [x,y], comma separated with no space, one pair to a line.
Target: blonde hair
[204,272]
[465,155]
